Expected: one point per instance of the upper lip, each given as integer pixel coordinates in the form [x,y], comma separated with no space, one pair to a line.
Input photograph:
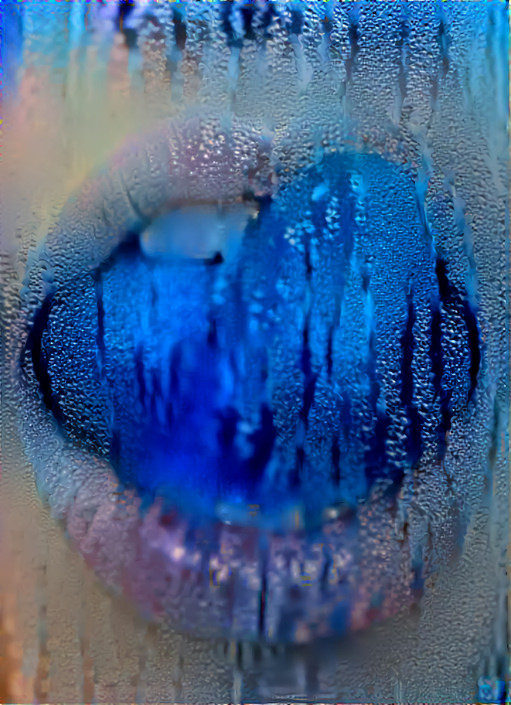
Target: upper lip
[192,161]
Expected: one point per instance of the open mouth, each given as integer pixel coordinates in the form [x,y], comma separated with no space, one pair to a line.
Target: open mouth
[245,382]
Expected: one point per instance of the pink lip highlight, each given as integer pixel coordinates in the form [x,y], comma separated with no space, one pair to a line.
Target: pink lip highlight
[217,579]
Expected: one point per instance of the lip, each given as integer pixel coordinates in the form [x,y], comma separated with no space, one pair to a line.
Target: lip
[187,161]
[218,579]
[212,578]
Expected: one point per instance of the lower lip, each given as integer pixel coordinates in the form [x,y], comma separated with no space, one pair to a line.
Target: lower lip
[216,579]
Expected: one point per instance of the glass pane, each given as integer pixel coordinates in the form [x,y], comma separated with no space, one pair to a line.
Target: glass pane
[255,371]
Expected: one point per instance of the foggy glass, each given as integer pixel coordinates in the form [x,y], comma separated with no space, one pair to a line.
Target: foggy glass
[255,369]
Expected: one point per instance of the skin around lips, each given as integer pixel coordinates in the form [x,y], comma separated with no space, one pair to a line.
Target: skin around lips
[169,665]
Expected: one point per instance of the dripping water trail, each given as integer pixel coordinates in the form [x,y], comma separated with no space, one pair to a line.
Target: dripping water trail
[100,334]
[309,378]
[402,45]
[474,346]
[414,423]
[375,456]
[437,357]
[354,39]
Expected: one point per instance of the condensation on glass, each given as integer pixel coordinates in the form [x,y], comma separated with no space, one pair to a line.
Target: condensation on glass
[256,362]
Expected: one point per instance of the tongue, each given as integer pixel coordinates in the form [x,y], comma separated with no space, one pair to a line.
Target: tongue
[191,402]
[197,442]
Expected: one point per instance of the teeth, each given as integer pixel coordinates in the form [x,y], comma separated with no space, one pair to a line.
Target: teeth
[197,232]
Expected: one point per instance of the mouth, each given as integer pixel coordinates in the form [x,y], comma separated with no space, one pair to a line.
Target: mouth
[244,383]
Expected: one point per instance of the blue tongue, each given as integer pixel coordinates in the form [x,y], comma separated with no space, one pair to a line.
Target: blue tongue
[197,441]
[187,366]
